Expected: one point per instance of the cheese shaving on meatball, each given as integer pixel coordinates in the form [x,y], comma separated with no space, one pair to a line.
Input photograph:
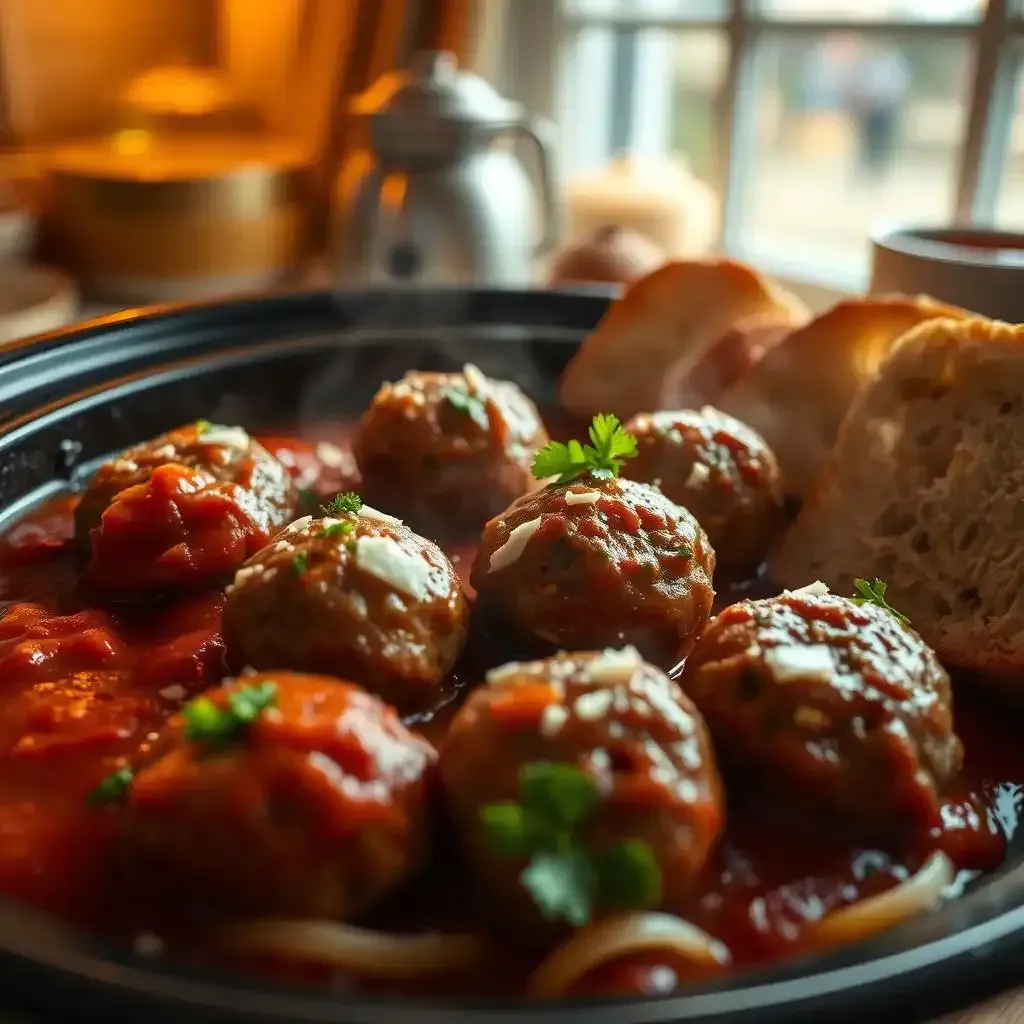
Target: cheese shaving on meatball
[230,437]
[790,664]
[815,589]
[381,517]
[509,552]
[475,380]
[614,667]
[385,559]
[587,497]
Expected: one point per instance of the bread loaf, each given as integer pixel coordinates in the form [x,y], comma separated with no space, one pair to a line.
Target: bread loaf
[925,489]
[797,393]
[660,327]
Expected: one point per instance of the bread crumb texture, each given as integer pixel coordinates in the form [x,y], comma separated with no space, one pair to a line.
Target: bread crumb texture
[925,489]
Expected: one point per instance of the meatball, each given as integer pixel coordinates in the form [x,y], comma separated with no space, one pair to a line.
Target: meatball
[360,596]
[183,510]
[585,564]
[719,469]
[619,720]
[829,707]
[316,803]
[448,450]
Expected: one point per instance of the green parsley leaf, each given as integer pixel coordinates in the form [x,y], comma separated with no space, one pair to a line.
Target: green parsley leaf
[342,529]
[558,794]
[220,727]
[602,459]
[873,592]
[684,550]
[566,879]
[562,885]
[111,788]
[628,876]
[469,405]
[300,562]
[348,503]
[202,426]
[506,827]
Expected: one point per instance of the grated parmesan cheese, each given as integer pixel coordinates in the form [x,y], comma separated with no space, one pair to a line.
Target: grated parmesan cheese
[699,475]
[503,672]
[792,664]
[612,666]
[587,497]
[552,719]
[174,692]
[593,705]
[231,437]
[475,380]
[815,589]
[380,517]
[509,552]
[330,454]
[386,560]
[297,526]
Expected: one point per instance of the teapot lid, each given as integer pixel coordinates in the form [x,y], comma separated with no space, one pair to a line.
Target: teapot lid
[433,88]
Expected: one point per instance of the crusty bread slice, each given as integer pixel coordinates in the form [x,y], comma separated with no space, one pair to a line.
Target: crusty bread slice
[797,394]
[662,322]
[925,489]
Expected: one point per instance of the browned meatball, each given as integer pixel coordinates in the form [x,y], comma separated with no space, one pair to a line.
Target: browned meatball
[595,562]
[828,706]
[183,510]
[318,807]
[448,450]
[617,719]
[360,596]
[719,469]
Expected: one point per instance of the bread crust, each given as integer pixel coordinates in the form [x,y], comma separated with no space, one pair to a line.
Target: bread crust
[660,327]
[797,393]
[925,489]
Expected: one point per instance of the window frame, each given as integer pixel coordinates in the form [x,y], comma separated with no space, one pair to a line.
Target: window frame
[542,28]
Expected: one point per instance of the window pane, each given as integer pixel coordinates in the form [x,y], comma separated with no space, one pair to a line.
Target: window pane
[850,130]
[650,91]
[1010,211]
[875,10]
[639,10]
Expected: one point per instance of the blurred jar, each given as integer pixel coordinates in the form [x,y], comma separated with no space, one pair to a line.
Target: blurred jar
[660,199]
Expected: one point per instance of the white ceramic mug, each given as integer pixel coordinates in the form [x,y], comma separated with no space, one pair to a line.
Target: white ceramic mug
[979,269]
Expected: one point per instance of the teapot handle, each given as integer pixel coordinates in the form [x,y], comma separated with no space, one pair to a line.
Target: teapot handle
[541,132]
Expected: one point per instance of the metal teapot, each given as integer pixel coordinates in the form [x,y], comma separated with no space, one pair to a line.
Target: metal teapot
[434,198]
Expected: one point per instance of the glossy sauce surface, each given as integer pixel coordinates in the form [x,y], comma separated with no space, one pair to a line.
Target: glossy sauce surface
[83,688]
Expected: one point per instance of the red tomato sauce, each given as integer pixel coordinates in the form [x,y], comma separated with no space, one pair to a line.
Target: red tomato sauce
[81,689]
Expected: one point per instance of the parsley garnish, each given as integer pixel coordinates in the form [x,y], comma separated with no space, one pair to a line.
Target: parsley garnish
[342,529]
[202,426]
[348,503]
[300,562]
[112,787]
[220,727]
[567,879]
[603,458]
[873,592]
[469,405]
[684,550]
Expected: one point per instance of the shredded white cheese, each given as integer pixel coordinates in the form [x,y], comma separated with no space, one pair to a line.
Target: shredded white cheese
[815,589]
[582,497]
[699,475]
[232,437]
[246,572]
[503,672]
[791,664]
[613,667]
[475,380]
[593,705]
[389,562]
[380,517]
[330,455]
[552,719]
[174,692]
[297,526]
[509,552]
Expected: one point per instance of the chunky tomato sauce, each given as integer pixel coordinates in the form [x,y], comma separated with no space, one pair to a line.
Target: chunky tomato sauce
[82,688]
